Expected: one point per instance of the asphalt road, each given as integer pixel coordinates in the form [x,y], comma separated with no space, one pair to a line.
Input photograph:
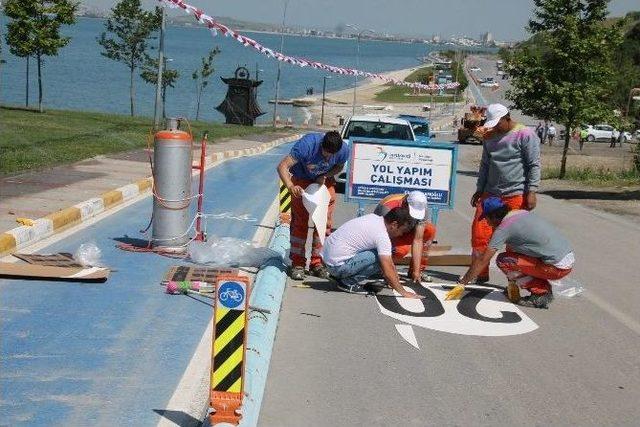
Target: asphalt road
[340,360]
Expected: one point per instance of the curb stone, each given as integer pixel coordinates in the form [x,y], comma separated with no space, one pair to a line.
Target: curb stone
[23,236]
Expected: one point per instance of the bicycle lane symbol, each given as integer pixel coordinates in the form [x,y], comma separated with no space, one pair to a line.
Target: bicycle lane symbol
[231,294]
[483,311]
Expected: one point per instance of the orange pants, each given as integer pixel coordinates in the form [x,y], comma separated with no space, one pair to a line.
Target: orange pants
[402,245]
[528,272]
[481,231]
[300,226]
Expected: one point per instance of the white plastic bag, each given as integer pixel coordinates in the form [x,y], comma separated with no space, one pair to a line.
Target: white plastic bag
[566,287]
[89,254]
[229,252]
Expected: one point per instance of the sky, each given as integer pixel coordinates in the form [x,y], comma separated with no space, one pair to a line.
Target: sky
[505,19]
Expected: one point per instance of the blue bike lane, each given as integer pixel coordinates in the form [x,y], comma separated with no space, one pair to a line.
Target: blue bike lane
[113,353]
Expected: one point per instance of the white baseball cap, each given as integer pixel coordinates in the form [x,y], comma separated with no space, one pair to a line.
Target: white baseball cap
[494,113]
[417,202]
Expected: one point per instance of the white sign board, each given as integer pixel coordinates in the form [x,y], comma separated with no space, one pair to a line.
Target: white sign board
[377,170]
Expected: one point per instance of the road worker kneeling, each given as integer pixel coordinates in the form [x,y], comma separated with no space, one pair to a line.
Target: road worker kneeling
[535,253]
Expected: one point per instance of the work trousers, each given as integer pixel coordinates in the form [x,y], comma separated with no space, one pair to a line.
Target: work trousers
[300,226]
[528,272]
[361,267]
[481,231]
[401,246]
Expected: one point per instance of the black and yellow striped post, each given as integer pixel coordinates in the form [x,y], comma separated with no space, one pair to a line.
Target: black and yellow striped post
[228,348]
[284,198]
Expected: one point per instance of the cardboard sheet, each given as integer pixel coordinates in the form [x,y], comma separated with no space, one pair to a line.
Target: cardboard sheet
[33,271]
[190,273]
[62,259]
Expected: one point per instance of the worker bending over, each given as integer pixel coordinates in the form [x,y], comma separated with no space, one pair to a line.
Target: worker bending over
[536,253]
[509,169]
[315,157]
[417,240]
[361,249]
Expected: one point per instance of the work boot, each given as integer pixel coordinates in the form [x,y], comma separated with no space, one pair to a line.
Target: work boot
[513,292]
[296,272]
[320,271]
[353,289]
[536,301]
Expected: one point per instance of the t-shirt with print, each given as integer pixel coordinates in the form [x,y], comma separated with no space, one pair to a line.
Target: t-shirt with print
[364,233]
[307,152]
[525,233]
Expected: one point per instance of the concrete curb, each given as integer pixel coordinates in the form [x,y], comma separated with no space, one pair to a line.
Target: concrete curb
[268,289]
[23,236]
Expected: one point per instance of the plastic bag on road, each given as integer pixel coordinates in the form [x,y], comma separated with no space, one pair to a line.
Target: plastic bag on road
[566,287]
[89,255]
[229,252]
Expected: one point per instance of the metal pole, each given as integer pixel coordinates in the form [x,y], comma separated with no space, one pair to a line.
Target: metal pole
[324,92]
[355,80]
[157,107]
[275,104]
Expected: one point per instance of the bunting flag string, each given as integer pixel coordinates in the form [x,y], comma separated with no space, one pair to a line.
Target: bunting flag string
[215,27]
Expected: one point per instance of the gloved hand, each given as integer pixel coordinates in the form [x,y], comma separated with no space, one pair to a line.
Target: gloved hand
[455,293]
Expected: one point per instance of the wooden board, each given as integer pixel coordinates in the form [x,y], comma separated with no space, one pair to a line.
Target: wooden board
[191,273]
[33,271]
[442,256]
[62,259]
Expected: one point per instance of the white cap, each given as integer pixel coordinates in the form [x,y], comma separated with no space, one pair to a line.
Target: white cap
[494,113]
[417,202]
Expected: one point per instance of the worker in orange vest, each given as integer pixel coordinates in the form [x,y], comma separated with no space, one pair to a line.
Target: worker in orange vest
[314,158]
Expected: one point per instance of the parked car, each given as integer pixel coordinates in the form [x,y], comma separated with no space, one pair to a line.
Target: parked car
[377,127]
[489,82]
[604,133]
[475,69]
[420,126]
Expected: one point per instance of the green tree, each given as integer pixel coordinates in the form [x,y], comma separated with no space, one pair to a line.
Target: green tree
[127,35]
[169,78]
[34,30]
[201,76]
[566,77]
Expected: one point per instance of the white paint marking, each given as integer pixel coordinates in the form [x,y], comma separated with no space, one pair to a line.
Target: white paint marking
[406,332]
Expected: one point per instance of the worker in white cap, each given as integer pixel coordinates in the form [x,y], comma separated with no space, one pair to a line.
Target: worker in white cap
[509,170]
[416,240]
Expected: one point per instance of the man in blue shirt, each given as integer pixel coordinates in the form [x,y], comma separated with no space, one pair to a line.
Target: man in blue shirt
[315,157]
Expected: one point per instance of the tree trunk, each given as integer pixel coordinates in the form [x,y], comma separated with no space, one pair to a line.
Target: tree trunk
[565,149]
[131,89]
[26,96]
[39,57]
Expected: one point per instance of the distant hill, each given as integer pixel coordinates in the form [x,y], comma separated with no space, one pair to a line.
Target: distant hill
[236,24]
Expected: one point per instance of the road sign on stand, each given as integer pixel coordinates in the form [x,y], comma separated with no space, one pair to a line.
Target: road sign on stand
[377,170]
[228,348]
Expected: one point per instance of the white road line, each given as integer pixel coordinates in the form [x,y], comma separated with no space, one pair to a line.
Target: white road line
[406,332]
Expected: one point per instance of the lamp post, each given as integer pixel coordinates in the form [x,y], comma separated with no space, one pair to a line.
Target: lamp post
[275,104]
[324,93]
[359,34]
[157,106]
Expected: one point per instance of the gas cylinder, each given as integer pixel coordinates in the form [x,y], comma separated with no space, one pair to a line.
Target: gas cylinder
[172,160]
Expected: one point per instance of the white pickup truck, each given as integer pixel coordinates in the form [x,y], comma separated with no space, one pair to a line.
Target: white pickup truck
[375,127]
